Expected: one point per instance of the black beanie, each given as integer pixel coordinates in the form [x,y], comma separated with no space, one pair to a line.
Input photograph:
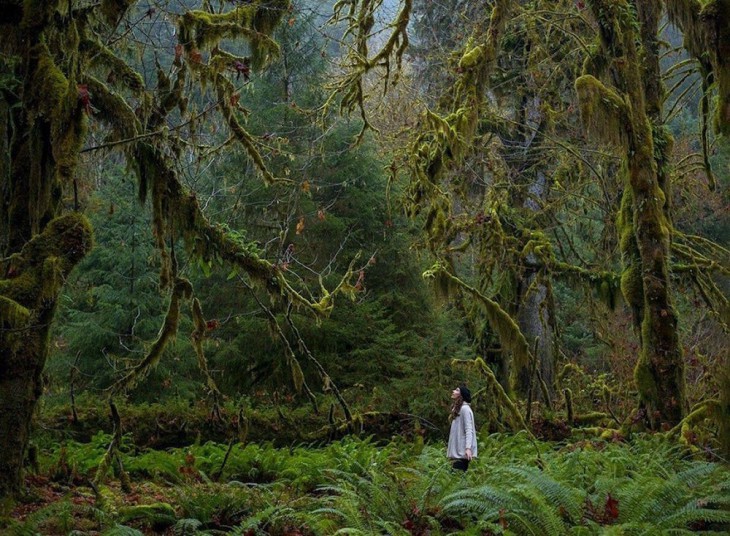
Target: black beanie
[465,393]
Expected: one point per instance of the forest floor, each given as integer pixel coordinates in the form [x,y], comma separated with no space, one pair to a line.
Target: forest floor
[356,486]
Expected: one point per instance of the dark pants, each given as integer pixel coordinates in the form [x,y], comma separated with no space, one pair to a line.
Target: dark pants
[461,465]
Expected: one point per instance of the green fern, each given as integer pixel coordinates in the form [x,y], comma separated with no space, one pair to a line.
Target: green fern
[122,530]
[186,527]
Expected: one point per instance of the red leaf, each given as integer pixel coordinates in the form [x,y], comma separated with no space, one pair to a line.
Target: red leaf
[242,68]
[611,508]
[210,325]
[84,98]
[502,520]
[360,280]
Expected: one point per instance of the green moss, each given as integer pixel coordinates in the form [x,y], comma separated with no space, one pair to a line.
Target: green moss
[157,515]
[602,109]
[49,85]
[116,112]
[254,22]
[45,261]
[472,57]
[12,314]
[632,286]
[645,381]
[102,56]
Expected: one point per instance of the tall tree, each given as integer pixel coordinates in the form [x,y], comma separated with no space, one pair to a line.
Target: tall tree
[622,99]
[65,68]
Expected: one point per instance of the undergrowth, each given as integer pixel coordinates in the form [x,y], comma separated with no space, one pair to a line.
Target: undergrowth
[356,486]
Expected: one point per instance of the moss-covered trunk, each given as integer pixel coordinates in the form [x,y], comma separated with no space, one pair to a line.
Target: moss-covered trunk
[28,292]
[631,105]
[660,368]
[42,127]
[24,350]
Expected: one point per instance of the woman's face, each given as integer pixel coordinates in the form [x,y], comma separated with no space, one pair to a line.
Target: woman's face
[456,393]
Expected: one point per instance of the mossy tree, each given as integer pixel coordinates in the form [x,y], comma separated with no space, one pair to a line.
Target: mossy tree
[55,55]
[486,188]
[622,97]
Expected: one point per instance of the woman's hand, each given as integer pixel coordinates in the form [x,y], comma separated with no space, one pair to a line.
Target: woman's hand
[468,454]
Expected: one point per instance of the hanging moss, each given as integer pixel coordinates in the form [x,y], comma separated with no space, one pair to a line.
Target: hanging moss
[510,336]
[48,85]
[603,111]
[182,289]
[706,28]
[201,30]
[197,337]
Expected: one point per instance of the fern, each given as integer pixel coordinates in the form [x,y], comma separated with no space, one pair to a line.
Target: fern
[122,530]
[186,527]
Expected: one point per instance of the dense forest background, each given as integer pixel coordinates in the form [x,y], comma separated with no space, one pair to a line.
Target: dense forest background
[365,204]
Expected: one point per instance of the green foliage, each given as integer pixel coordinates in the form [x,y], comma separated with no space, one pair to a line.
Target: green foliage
[516,486]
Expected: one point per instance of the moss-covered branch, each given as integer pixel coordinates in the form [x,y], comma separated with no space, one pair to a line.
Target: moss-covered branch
[182,289]
[510,335]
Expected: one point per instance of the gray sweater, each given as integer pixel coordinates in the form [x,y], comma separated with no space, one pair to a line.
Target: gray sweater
[463,435]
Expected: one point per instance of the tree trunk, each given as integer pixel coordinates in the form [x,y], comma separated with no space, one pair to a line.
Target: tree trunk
[28,293]
[535,312]
[24,354]
[535,317]
[636,76]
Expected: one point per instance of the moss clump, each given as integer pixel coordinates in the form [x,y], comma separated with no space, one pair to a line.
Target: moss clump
[48,84]
[472,57]
[41,268]
[12,314]
[156,515]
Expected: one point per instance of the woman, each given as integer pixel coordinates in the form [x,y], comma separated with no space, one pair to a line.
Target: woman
[462,438]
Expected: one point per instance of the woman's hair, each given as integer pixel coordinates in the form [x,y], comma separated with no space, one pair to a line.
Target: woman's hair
[456,407]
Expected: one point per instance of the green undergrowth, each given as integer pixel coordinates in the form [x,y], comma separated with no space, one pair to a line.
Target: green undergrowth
[357,486]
